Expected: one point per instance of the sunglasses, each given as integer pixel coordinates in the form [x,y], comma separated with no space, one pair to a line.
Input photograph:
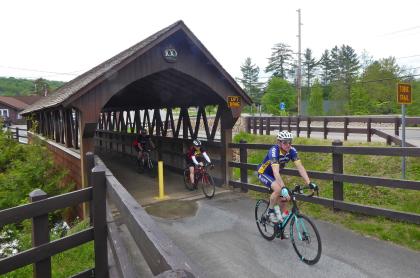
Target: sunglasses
[287,142]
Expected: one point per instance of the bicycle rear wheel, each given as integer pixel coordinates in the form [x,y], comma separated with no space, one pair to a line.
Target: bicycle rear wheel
[187,182]
[207,184]
[264,225]
[305,239]
[152,169]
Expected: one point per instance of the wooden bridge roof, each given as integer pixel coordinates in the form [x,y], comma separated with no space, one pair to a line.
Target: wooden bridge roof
[160,86]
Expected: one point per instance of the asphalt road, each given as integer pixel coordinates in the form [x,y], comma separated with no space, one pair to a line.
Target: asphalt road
[222,239]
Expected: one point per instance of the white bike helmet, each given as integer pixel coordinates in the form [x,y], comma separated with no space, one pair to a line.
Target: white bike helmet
[197,143]
[284,135]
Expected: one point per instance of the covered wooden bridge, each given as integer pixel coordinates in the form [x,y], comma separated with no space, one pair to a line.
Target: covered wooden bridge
[166,83]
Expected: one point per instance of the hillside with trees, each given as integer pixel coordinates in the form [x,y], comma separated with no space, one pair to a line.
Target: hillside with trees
[10,86]
[339,82]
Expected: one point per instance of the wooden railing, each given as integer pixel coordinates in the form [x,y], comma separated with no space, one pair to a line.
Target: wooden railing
[337,176]
[42,249]
[267,124]
[161,255]
[15,133]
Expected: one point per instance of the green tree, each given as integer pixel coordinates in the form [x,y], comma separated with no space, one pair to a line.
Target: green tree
[279,90]
[309,66]
[325,75]
[250,81]
[280,60]
[414,108]
[316,101]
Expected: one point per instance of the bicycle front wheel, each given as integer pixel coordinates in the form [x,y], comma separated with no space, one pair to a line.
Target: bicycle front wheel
[305,239]
[152,169]
[266,228]
[207,184]
[187,182]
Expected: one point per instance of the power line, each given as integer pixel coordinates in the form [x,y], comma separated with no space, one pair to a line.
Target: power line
[73,73]
[402,30]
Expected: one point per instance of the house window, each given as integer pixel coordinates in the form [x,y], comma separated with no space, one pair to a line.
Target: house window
[4,112]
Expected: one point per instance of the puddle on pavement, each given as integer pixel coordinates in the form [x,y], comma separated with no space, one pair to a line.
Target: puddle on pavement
[173,209]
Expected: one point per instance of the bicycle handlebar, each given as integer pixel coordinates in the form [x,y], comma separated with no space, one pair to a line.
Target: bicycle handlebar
[299,190]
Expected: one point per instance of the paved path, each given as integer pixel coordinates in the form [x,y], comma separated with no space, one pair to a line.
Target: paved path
[222,238]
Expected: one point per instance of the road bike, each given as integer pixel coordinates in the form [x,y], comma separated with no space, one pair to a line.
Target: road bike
[303,232]
[145,164]
[202,178]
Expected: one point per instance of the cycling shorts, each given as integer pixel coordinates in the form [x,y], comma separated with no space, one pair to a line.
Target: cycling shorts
[267,180]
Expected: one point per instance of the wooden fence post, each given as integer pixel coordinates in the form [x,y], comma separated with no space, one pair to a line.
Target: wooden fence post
[288,124]
[369,130]
[40,235]
[98,183]
[267,126]
[280,124]
[248,125]
[17,134]
[243,158]
[325,128]
[337,161]
[297,126]
[346,124]
[90,163]
[254,122]
[261,127]
[308,130]
[397,126]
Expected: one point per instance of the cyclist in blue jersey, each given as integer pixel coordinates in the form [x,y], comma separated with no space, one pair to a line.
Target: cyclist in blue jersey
[269,172]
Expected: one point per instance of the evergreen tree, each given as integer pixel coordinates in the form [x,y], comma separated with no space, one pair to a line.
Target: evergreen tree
[309,66]
[249,80]
[280,60]
[350,65]
[325,75]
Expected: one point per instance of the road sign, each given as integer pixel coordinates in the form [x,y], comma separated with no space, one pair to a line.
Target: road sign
[234,101]
[404,93]
[282,106]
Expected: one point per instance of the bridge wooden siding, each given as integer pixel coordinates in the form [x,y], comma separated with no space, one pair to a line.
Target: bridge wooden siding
[260,124]
[337,176]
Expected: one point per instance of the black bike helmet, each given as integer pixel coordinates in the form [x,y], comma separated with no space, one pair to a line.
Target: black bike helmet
[144,131]
[197,143]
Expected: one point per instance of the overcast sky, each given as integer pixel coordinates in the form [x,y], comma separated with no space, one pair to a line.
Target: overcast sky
[43,38]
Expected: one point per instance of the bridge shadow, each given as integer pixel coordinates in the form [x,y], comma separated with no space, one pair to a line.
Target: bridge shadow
[142,187]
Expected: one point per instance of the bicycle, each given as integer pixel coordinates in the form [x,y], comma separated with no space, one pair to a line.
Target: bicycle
[200,177]
[303,231]
[146,163]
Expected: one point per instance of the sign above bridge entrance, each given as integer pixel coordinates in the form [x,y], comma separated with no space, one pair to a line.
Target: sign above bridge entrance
[404,93]
[234,101]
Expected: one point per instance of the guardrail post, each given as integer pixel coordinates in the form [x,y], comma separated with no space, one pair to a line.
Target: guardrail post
[325,128]
[90,163]
[346,132]
[243,158]
[397,126]
[40,235]
[308,130]
[99,221]
[261,127]
[369,130]
[267,126]
[337,161]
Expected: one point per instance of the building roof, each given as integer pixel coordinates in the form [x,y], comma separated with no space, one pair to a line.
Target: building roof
[13,102]
[29,99]
[83,83]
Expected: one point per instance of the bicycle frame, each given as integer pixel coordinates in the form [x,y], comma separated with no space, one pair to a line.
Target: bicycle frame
[295,213]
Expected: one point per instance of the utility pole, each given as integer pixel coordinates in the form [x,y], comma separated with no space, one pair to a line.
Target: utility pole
[299,71]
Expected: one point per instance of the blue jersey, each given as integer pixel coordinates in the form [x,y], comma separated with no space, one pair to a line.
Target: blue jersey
[276,156]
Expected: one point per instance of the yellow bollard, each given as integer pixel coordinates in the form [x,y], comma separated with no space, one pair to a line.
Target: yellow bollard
[161,186]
